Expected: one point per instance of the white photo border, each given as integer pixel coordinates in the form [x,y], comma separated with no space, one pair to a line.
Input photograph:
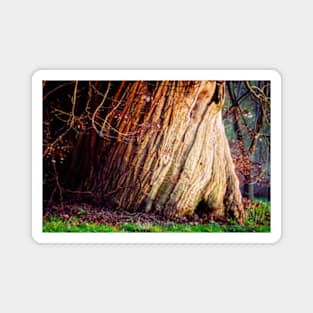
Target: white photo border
[160,238]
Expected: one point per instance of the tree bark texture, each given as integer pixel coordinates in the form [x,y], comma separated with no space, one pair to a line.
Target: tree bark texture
[157,147]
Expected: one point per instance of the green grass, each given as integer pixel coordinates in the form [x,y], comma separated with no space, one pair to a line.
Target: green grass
[258,214]
[257,219]
[56,224]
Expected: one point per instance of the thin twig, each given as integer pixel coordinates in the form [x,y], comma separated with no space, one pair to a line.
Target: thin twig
[99,107]
[58,183]
[72,116]
[55,89]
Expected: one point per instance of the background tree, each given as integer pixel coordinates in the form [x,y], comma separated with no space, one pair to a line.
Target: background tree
[247,121]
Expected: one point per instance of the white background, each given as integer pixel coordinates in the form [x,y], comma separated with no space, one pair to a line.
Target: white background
[155,34]
[273,76]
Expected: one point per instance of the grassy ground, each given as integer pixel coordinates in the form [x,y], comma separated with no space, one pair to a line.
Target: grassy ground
[257,219]
[58,225]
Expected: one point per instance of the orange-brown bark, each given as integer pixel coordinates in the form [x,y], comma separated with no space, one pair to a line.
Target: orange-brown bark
[159,146]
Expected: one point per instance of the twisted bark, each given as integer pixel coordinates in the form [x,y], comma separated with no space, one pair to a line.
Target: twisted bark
[158,146]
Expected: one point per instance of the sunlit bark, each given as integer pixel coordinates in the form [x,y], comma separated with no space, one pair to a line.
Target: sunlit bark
[158,147]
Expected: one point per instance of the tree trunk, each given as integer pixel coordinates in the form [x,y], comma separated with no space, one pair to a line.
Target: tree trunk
[158,146]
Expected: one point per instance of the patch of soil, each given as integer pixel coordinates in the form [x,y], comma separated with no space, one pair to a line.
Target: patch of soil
[90,214]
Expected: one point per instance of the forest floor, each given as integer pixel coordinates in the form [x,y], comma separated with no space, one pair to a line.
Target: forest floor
[86,218]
